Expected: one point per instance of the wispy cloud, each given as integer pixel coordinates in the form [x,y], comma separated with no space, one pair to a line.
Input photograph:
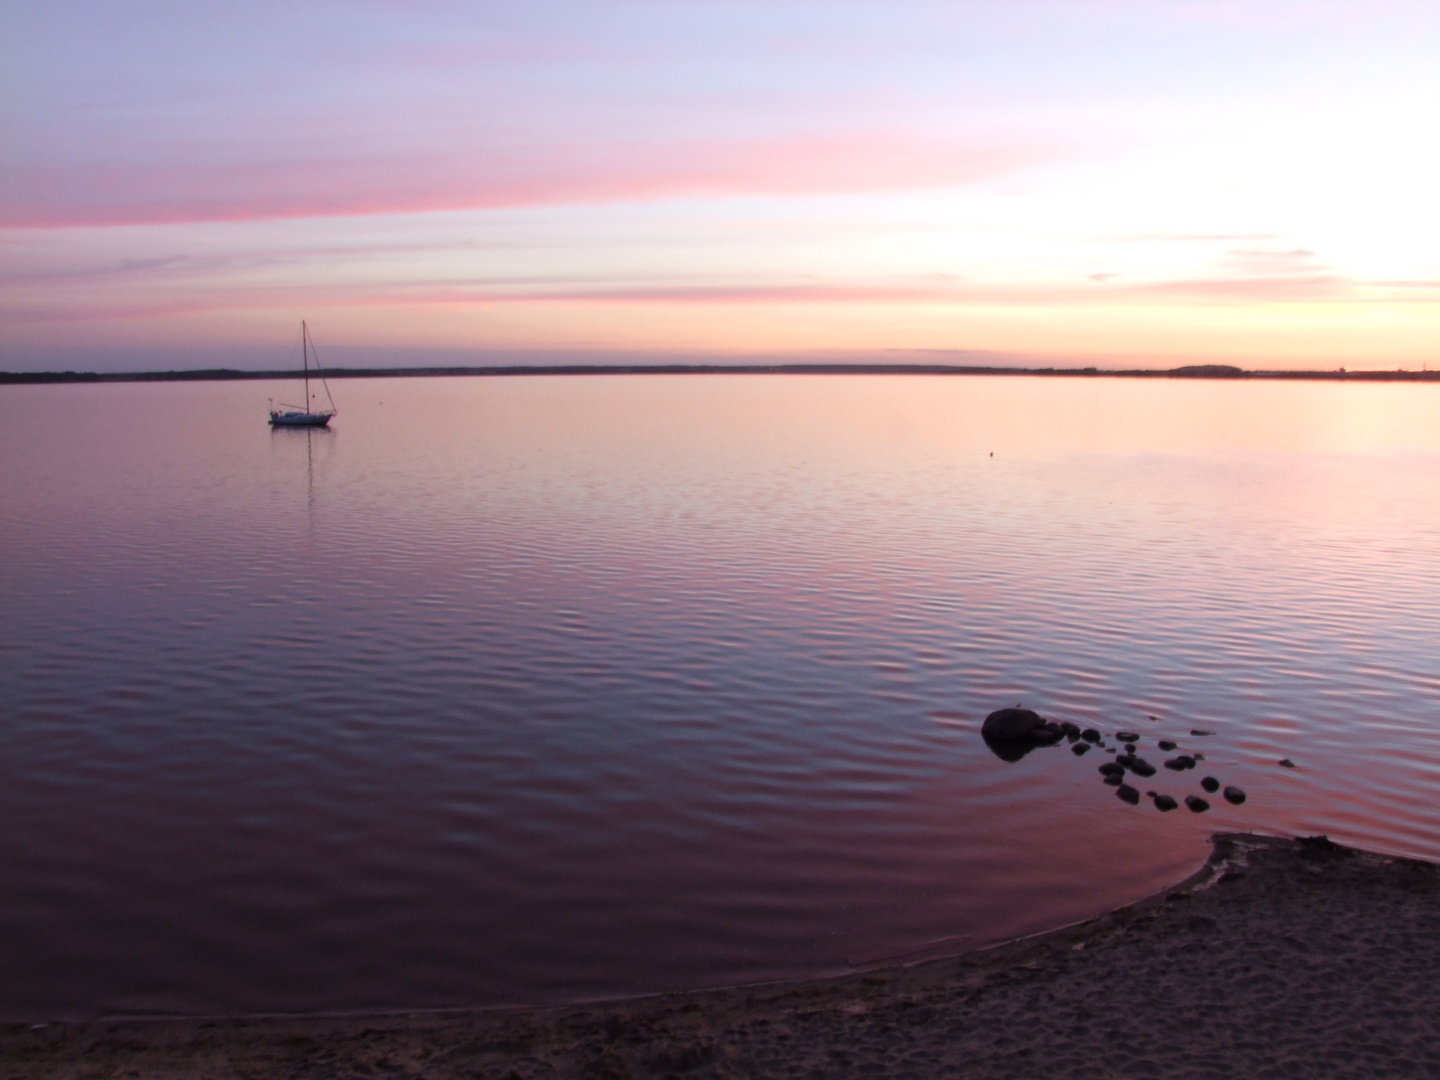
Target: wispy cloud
[1290,288]
[932,291]
[170,192]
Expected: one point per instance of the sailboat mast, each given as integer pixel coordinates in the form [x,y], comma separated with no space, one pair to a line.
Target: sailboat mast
[305,359]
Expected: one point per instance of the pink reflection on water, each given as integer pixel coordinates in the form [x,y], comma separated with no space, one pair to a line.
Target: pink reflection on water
[537,688]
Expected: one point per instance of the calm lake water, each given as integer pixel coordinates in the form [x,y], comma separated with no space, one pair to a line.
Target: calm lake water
[540,689]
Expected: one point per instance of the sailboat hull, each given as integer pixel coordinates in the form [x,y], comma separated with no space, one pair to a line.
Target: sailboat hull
[299,419]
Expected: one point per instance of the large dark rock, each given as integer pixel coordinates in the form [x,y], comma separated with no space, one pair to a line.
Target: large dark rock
[1012,733]
[1011,725]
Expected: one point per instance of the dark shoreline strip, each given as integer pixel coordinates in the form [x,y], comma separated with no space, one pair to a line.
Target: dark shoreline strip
[1204,371]
[1279,957]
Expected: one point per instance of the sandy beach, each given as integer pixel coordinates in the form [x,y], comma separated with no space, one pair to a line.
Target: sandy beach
[1279,958]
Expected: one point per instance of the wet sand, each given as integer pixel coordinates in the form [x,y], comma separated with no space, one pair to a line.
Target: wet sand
[1285,958]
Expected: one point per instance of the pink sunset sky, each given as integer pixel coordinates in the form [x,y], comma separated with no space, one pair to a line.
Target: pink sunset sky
[1118,183]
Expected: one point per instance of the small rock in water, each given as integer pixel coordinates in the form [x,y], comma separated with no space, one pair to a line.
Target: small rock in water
[1080,748]
[1210,784]
[1140,767]
[1112,768]
[1154,718]
[1287,763]
[1114,780]
[1181,763]
[1047,734]
[1198,757]
[1165,803]
[1196,804]
[1090,735]
[1167,744]
[1127,736]
[1197,731]
[1234,795]
[1128,794]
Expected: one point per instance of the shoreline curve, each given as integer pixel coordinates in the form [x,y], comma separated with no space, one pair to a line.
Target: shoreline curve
[1298,956]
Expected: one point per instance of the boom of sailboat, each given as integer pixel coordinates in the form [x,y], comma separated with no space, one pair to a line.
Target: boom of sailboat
[306,415]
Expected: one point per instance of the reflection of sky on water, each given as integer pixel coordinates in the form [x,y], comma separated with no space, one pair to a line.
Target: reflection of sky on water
[547,687]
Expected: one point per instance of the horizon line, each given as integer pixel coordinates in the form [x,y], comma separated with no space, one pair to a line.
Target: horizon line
[1187,371]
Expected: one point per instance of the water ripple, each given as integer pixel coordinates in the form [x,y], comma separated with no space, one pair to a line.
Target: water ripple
[534,690]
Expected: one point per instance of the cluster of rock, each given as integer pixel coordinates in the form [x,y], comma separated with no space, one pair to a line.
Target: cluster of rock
[1013,733]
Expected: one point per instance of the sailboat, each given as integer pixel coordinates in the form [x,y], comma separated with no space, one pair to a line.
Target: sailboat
[304,415]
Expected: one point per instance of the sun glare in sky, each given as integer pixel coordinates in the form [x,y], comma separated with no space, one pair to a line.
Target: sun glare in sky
[1120,183]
